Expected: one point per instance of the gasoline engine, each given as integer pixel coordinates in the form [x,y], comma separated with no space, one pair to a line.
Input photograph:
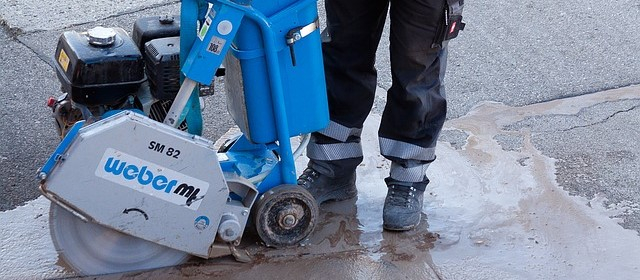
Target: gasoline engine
[103,69]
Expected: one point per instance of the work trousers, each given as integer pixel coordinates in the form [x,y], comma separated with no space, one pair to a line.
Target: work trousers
[416,106]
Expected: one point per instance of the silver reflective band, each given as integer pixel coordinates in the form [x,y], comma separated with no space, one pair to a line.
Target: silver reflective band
[403,150]
[411,174]
[303,32]
[340,132]
[334,151]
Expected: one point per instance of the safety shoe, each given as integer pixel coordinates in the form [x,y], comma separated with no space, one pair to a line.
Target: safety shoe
[402,208]
[324,188]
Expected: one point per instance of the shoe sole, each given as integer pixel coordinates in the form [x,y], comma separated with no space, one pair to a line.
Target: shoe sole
[399,228]
[405,228]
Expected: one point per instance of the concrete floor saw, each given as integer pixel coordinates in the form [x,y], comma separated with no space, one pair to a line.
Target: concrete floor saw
[133,185]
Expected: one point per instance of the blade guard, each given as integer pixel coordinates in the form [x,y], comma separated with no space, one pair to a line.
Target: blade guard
[148,180]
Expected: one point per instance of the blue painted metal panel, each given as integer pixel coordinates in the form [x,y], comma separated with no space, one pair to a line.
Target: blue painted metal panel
[62,147]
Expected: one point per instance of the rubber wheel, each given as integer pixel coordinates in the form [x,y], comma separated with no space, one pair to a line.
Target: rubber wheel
[92,249]
[285,215]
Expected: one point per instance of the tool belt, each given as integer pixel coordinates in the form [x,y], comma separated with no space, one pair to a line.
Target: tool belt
[451,23]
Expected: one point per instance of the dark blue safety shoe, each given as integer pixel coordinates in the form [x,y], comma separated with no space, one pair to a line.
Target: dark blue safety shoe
[402,208]
[324,188]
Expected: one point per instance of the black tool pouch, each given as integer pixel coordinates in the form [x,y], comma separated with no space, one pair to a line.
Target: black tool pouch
[451,23]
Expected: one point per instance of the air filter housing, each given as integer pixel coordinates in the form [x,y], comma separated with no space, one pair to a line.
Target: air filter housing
[162,62]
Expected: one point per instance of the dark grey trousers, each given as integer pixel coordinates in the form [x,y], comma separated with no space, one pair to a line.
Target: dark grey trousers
[416,106]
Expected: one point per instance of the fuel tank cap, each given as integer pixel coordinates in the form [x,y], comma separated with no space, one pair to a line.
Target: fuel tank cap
[101,36]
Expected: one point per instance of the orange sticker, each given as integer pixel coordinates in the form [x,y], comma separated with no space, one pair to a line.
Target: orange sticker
[63,59]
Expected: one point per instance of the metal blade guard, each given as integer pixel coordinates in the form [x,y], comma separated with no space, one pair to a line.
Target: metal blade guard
[146,179]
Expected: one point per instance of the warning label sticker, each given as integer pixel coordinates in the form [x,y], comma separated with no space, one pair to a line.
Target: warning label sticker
[63,59]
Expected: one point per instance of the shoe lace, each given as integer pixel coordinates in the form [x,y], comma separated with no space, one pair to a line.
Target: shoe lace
[307,177]
[402,196]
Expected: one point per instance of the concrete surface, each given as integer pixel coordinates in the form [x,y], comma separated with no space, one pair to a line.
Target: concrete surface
[495,209]
[33,16]
[542,185]
[524,52]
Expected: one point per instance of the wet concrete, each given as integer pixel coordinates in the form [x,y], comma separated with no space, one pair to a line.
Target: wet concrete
[516,220]
[495,210]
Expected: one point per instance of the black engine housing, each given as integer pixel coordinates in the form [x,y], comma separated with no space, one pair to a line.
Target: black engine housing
[99,73]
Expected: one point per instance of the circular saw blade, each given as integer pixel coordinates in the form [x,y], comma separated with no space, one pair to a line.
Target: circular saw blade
[92,249]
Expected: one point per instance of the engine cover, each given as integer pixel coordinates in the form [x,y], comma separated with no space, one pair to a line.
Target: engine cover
[99,67]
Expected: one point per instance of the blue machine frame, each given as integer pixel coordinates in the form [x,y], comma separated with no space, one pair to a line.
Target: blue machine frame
[203,52]
[279,97]
[270,161]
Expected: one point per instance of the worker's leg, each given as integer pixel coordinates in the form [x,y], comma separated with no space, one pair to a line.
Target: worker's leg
[355,27]
[416,107]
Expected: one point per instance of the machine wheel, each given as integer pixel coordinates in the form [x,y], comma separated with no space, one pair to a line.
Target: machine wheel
[285,215]
[92,249]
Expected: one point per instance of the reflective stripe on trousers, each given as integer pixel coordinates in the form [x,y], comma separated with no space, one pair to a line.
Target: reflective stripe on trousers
[410,165]
[338,145]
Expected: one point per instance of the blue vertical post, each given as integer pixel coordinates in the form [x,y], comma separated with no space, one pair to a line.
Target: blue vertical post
[288,170]
[190,12]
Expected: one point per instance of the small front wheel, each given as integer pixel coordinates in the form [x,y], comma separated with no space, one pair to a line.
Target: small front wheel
[285,215]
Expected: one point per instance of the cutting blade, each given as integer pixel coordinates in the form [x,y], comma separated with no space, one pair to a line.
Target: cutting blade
[92,249]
